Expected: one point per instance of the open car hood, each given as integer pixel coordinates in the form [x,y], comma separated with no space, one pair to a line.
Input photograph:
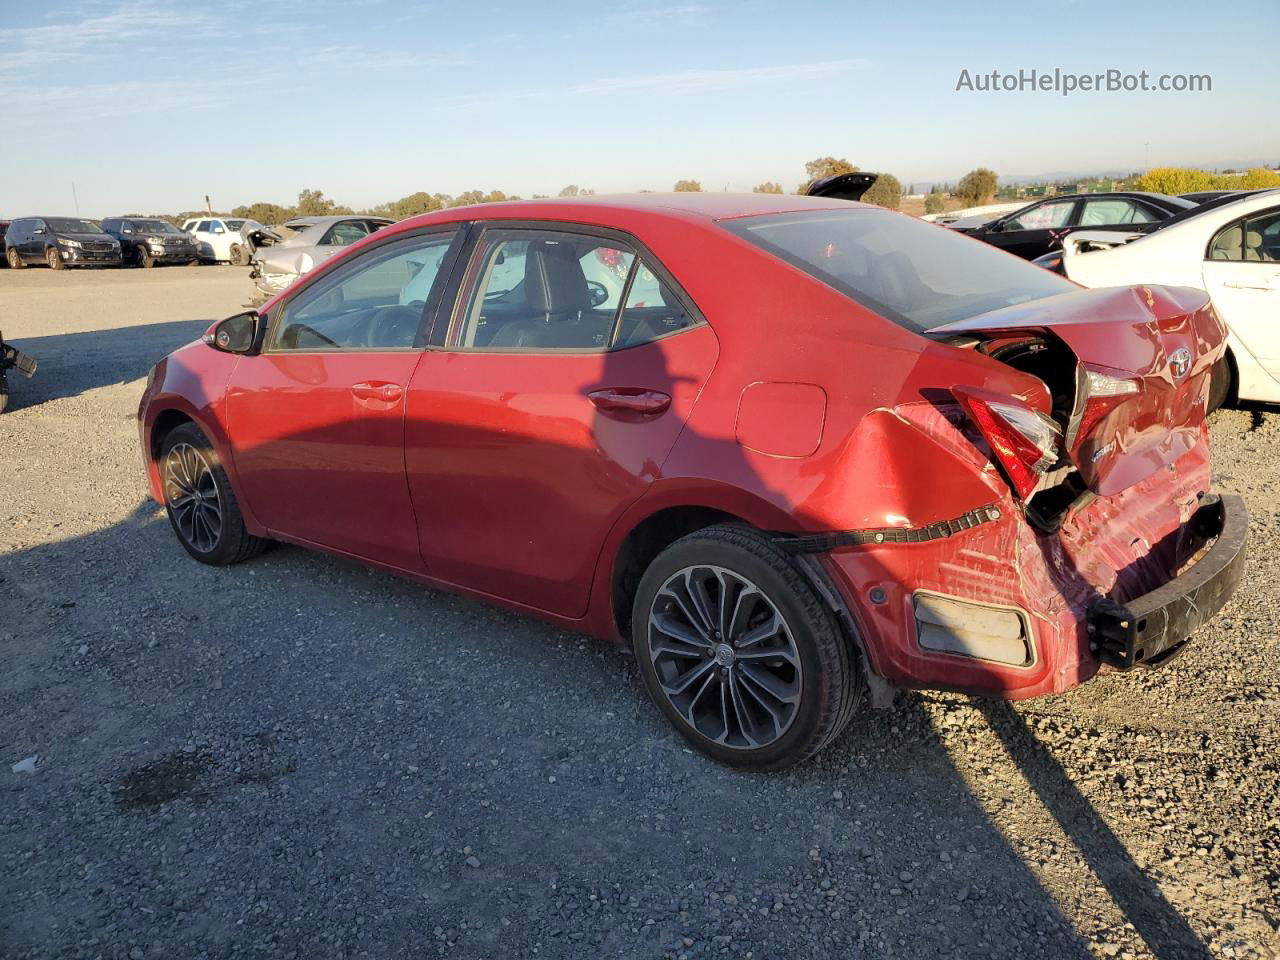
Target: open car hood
[843,186]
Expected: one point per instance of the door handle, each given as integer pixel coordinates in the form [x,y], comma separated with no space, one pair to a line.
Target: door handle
[630,402]
[373,390]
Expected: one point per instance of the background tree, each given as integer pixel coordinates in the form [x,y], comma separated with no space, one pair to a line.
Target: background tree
[687,186]
[978,186]
[934,202]
[573,190]
[270,214]
[824,167]
[768,186]
[313,203]
[479,196]
[413,204]
[885,192]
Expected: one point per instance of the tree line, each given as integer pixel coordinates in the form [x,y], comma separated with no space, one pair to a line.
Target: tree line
[975,188]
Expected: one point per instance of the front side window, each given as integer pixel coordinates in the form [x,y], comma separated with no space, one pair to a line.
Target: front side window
[916,274]
[376,302]
[548,290]
[344,233]
[1113,210]
[202,226]
[1046,216]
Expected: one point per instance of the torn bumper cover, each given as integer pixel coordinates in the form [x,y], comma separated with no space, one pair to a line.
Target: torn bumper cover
[1150,629]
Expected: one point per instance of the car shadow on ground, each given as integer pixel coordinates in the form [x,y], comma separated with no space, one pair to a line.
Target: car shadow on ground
[450,723]
[75,363]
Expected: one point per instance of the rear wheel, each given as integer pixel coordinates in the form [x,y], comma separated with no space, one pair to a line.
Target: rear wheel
[739,653]
[238,258]
[1219,384]
[15,261]
[54,258]
[202,507]
[4,393]
[193,263]
[143,257]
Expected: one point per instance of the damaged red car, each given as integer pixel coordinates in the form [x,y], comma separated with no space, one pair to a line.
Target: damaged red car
[797,452]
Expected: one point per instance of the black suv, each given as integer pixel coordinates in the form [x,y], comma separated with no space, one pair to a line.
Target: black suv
[146,241]
[59,242]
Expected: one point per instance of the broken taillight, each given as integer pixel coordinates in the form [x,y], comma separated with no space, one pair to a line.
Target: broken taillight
[1102,394]
[1025,442]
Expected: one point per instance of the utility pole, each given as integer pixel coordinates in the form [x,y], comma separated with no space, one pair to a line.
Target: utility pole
[75,199]
[207,205]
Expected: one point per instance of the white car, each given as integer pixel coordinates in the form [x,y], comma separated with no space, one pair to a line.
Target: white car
[1232,251]
[219,238]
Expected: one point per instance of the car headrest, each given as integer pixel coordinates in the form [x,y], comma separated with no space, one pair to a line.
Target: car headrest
[1227,246]
[553,279]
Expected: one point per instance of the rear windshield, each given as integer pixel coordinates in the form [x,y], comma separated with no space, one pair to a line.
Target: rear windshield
[155,226]
[916,274]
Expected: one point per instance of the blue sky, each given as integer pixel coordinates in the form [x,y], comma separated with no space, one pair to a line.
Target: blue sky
[147,105]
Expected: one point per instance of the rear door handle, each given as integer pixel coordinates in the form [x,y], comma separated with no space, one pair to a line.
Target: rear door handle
[630,402]
[377,390]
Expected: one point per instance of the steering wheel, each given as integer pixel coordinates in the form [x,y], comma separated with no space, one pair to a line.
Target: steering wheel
[599,292]
[393,326]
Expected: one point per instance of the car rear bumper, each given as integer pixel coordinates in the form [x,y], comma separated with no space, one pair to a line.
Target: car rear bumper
[998,608]
[1149,629]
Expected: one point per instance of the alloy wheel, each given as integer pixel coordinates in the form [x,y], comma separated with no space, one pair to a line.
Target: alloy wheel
[724,657]
[191,491]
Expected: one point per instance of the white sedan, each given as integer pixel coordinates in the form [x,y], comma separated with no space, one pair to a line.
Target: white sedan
[1231,251]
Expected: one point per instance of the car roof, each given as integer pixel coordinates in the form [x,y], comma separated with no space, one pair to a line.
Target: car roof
[331,218]
[692,206]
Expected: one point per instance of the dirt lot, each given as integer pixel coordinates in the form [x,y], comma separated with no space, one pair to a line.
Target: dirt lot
[299,758]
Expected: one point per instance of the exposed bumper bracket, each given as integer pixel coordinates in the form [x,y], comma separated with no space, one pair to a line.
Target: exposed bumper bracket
[823,542]
[1148,629]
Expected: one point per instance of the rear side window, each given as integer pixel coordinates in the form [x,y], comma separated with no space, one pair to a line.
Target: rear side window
[916,274]
[543,290]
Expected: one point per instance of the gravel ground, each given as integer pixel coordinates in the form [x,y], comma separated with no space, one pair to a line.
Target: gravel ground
[297,757]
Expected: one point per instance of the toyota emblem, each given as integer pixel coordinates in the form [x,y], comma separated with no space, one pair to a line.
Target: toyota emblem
[1180,362]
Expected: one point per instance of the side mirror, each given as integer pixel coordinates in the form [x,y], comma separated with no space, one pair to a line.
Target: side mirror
[995,226]
[218,230]
[235,334]
[127,230]
[38,231]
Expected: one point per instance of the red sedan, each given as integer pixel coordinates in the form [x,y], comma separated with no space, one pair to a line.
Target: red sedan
[797,452]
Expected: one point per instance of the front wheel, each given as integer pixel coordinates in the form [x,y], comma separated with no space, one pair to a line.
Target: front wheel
[143,256]
[739,653]
[54,258]
[238,256]
[201,505]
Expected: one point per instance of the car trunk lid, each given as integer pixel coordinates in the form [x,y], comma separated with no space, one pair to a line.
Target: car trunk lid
[1135,402]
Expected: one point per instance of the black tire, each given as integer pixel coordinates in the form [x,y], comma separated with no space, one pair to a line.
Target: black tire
[12,258]
[1219,384]
[238,259]
[4,393]
[231,542]
[193,263]
[813,659]
[53,257]
[142,256]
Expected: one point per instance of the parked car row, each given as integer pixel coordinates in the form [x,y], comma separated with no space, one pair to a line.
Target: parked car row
[60,242]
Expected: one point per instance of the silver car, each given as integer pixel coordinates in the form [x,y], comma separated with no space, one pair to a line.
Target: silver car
[308,241]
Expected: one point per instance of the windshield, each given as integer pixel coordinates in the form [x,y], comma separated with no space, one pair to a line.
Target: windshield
[916,274]
[69,225]
[154,226]
[234,224]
